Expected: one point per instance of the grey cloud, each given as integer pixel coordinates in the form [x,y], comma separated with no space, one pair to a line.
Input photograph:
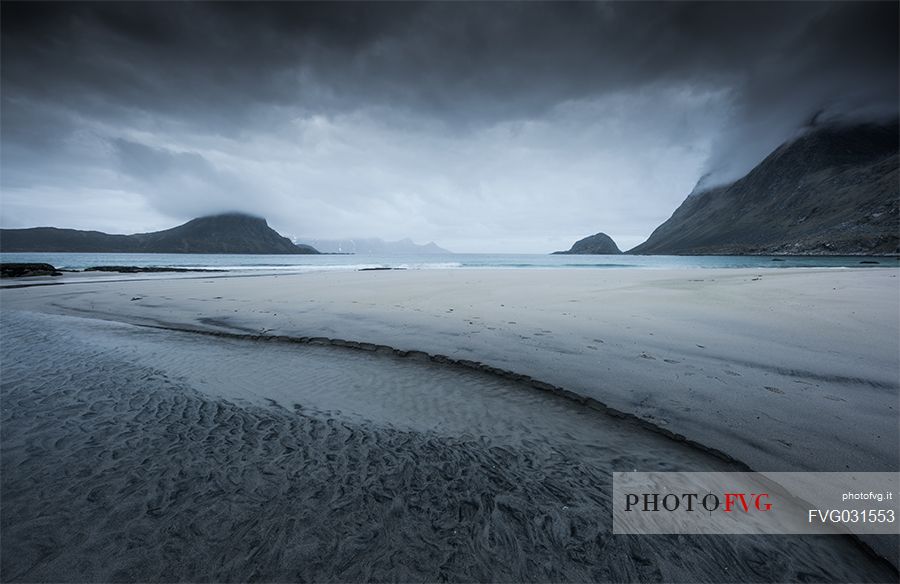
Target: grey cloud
[457,60]
[181,184]
[351,117]
[148,163]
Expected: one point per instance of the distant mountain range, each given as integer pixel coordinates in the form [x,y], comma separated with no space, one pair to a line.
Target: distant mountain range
[599,244]
[832,191]
[226,233]
[372,246]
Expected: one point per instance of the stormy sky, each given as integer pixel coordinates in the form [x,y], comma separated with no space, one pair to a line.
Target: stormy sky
[497,127]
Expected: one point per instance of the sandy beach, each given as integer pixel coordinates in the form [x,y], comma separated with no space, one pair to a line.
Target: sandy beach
[781,369]
[430,425]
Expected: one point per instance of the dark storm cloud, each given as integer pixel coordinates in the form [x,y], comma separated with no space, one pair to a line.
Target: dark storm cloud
[461,60]
[175,77]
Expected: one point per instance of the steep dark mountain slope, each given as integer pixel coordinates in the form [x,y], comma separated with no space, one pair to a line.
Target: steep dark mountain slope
[832,191]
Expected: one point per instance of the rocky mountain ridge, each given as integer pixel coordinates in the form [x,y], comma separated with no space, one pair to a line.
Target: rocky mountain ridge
[831,191]
[228,233]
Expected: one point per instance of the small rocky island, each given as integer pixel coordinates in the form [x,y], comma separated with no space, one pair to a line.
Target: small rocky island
[598,244]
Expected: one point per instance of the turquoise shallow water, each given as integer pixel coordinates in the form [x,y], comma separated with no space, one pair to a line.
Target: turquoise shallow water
[443,261]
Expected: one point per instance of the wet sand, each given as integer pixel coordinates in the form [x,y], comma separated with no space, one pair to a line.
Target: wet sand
[783,369]
[140,455]
[134,453]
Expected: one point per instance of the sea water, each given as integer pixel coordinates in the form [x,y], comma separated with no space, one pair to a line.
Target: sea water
[78,261]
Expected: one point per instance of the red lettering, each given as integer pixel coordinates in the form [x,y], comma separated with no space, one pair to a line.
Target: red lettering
[730,499]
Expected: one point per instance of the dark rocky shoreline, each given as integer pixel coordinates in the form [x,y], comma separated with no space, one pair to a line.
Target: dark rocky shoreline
[146,269]
[23,270]
[19,270]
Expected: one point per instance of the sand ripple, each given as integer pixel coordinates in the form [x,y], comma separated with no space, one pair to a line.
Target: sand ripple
[128,456]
